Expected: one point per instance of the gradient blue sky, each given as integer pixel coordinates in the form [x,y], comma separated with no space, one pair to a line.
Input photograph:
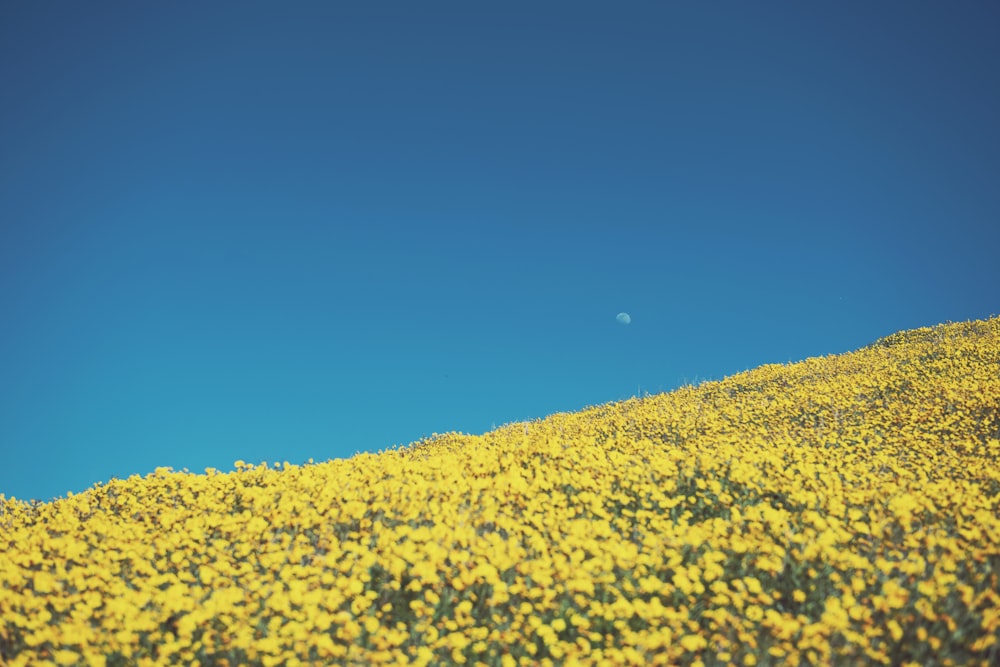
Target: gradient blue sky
[276,231]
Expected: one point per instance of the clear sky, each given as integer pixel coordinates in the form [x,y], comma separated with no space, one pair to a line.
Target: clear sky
[275,231]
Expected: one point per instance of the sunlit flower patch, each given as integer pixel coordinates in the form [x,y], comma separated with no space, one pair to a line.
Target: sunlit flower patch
[842,510]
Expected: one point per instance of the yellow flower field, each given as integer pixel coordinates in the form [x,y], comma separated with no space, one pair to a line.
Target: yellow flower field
[842,510]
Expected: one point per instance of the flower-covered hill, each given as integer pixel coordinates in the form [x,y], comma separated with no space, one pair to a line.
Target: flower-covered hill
[842,510]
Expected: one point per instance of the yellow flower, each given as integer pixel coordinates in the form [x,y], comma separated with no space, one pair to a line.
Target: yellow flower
[834,615]
[65,657]
[693,642]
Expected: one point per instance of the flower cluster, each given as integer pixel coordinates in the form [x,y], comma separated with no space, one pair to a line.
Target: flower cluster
[840,510]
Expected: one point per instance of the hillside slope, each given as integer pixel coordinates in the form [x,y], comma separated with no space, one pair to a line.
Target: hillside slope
[844,510]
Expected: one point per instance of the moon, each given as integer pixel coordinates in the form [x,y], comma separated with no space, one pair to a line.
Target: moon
[623,318]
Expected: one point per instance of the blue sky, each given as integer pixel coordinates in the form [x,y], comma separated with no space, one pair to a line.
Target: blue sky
[276,231]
